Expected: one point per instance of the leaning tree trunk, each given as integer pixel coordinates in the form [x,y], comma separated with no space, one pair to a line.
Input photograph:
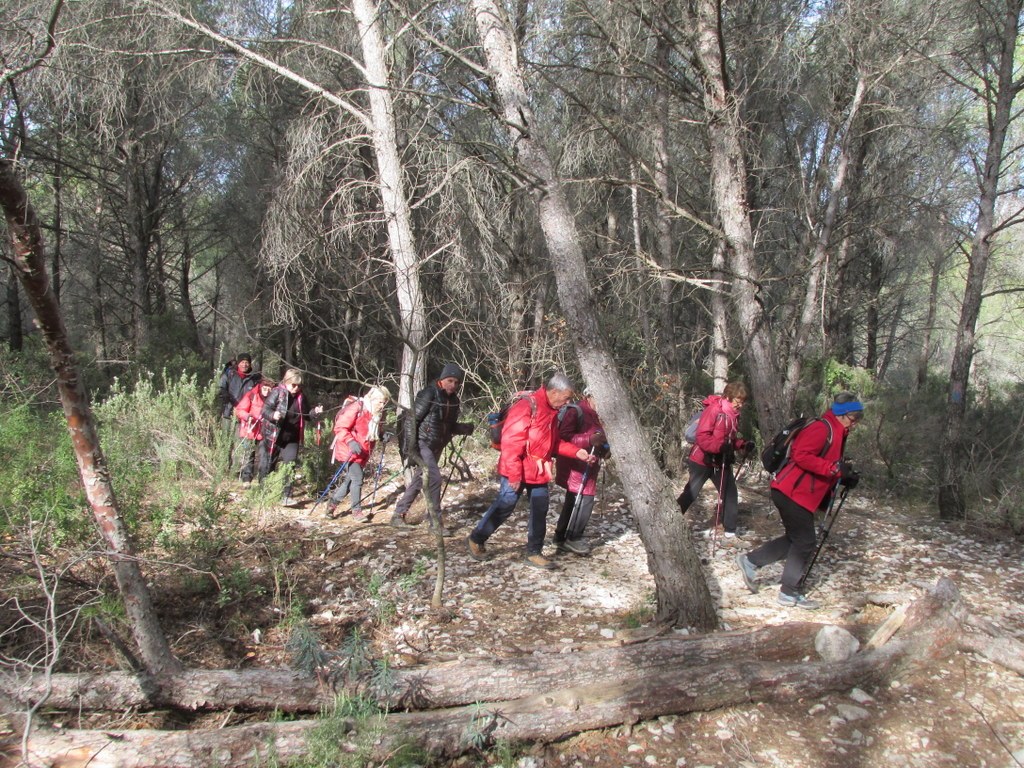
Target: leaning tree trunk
[729,184]
[29,262]
[952,505]
[682,594]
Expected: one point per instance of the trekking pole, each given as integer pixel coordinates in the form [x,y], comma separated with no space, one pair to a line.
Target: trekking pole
[377,473]
[330,485]
[579,496]
[830,517]
[718,509]
[454,461]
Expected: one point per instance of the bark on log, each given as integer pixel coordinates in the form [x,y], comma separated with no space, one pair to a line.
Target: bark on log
[931,631]
[997,647]
[447,684]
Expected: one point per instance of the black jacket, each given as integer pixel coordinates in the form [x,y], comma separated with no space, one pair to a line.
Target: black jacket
[233,388]
[435,418]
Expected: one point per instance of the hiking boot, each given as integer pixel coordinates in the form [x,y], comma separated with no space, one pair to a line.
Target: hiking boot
[576,546]
[539,561]
[749,573]
[399,521]
[560,547]
[288,501]
[798,601]
[332,509]
[477,551]
[359,516]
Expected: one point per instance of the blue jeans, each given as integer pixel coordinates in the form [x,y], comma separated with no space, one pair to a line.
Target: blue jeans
[502,507]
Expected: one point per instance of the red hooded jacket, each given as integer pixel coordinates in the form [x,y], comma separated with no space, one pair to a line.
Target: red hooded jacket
[715,430]
[353,423]
[529,440]
[249,413]
[812,471]
[569,474]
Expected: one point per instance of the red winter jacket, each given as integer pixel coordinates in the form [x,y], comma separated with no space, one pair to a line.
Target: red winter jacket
[716,430]
[529,440]
[569,474]
[353,423]
[812,471]
[249,413]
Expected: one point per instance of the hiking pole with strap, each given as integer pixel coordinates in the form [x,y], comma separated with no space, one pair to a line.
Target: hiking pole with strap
[830,517]
[377,473]
[718,509]
[579,496]
[330,485]
[454,461]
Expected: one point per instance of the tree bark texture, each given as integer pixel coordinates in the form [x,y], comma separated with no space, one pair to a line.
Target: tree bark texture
[30,265]
[682,594]
[395,201]
[446,684]
[621,695]
[951,502]
[729,186]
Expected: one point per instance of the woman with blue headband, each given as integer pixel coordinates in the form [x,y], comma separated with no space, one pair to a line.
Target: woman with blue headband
[802,486]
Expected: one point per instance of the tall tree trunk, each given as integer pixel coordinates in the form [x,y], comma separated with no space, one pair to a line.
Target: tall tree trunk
[925,355]
[15,337]
[29,260]
[729,186]
[951,502]
[395,202]
[816,268]
[682,594]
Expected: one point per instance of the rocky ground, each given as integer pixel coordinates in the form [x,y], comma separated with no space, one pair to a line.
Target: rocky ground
[965,712]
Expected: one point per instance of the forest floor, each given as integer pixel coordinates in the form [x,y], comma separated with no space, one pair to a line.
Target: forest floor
[345,574]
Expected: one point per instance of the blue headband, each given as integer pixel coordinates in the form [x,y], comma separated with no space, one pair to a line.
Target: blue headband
[841,409]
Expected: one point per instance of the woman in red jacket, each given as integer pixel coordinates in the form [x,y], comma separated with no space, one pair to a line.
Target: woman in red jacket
[249,413]
[357,427]
[714,453]
[802,486]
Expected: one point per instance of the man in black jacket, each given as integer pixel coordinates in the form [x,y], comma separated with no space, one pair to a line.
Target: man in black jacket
[429,427]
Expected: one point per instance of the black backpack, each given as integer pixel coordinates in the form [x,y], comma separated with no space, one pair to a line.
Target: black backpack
[496,421]
[776,453]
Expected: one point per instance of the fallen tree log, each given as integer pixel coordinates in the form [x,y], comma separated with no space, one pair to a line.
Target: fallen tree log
[447,684]
[931,631]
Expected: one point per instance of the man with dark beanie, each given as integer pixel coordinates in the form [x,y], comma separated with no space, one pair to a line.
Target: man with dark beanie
[235,382]
[802,486]
[429,427]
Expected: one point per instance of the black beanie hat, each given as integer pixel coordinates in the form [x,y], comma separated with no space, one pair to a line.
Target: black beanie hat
[451,370]
[245,356]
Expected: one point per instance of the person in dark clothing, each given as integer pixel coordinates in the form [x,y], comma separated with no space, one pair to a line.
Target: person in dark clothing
[714,453]
[236,380]
[285,413]
[429,427]
[804,485]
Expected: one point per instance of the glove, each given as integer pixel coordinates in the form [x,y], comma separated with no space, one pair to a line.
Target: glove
[597,439]
[746,448]
[465,428]
[387,436]
[356,448]
[848,476]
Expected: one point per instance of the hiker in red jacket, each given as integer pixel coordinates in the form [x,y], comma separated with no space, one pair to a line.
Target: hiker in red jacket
[801,487]
[529,440]
[714,452]
[357,428]
[249,413]
[579,424]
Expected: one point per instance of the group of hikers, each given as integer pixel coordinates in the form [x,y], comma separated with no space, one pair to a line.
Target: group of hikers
[543,436]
